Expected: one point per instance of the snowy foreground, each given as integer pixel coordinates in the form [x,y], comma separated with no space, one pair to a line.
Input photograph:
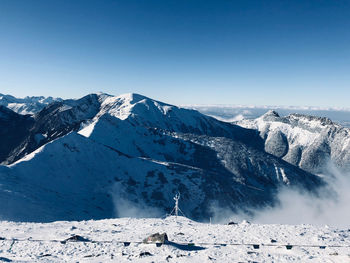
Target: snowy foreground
[106,241]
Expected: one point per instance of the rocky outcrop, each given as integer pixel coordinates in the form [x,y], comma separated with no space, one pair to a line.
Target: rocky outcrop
[306,141]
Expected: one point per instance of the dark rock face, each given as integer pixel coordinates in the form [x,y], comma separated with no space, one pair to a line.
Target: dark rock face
[54,121]
[14,128]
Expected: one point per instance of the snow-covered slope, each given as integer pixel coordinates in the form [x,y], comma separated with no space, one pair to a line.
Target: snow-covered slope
[145,150]
[143,111]
[306,141]
[27,105]
[56,120]
[139,126]
[189,242]
[74,177]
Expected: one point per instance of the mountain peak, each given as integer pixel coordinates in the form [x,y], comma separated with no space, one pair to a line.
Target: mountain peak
[271,115]
[319,121]
[133,104]
[134,98]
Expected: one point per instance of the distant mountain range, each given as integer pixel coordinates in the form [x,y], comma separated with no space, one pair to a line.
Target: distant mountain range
[231,113]
[27,105]
[103,156]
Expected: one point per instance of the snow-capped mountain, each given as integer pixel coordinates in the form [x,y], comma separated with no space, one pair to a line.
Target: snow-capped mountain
[27,105]
[302,140]
[232,113]
[54,121]
[102,156]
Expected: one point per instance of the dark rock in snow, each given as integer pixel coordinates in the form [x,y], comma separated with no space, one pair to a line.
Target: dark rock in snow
[75,238]
[156,238]
[145,254]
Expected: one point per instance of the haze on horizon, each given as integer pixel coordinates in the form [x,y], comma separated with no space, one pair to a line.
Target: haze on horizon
[180,52]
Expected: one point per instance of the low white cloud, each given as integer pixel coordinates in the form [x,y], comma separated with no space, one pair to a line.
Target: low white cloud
[329,207]
[237,117]
[124,207]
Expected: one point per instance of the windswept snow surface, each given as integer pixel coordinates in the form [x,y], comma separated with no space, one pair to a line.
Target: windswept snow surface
[104,242]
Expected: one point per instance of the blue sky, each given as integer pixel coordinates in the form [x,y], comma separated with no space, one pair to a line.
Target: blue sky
[181,51]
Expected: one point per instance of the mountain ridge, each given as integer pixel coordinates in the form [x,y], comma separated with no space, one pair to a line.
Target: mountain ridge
[137,152]
[306,141]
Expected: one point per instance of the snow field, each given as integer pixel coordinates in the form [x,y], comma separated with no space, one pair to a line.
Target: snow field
[208,242]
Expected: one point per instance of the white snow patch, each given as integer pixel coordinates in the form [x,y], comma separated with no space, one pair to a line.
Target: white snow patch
[209,242]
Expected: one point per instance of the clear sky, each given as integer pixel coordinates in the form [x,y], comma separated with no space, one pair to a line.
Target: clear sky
[294,52]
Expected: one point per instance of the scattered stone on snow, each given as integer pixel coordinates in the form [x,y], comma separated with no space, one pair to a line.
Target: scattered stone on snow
[75,238]
[156,238]
[289,246]
[145,254]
